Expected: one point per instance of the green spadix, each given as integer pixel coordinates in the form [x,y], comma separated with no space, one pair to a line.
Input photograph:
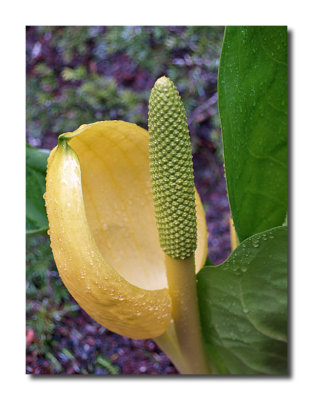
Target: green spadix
[171,171]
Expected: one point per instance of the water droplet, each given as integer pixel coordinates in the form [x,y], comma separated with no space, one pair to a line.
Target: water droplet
[255,242]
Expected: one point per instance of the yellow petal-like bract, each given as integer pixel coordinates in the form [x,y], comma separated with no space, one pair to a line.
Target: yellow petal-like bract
[103,230]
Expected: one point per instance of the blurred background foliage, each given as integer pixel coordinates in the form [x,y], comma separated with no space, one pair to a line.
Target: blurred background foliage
[78,75]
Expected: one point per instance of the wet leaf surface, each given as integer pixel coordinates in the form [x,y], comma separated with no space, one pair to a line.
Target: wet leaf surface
[252,89]
[243,306]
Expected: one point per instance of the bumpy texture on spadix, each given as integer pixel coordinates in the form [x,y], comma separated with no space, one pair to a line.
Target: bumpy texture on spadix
[103,230]
[172,171]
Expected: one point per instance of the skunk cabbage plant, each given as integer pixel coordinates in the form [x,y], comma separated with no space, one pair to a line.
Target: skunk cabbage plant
[128,229]
[103,228]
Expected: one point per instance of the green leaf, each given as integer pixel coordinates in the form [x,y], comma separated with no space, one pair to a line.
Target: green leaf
[106,363]
[36,164]
[243,306]
[252,88]
[54,362]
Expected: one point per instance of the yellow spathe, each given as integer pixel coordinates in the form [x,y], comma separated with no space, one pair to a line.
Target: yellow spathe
[103,230]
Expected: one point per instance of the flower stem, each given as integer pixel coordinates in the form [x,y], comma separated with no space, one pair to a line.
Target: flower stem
[182,287]
[169,345]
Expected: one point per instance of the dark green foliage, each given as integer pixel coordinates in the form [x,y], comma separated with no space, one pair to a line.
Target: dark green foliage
[36,164]
[253,107]
[243,305]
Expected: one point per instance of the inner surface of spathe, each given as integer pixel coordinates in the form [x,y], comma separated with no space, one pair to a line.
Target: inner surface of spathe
[117,194]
